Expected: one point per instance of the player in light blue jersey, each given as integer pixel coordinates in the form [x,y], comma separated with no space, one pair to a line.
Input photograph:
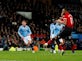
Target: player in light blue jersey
[55,30]
[24,32]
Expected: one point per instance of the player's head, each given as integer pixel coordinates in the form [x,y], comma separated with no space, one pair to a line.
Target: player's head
[63,11]
[58,21]
[24,22]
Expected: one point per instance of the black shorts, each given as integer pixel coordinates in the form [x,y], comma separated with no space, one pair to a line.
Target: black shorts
[66,32]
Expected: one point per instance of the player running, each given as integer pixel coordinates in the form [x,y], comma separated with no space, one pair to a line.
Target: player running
[25,33]
[67,20]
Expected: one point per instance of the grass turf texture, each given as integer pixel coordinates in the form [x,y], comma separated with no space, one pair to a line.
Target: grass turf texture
[39,56]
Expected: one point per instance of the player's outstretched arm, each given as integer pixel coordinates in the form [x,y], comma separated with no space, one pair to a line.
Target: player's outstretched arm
[19,32]
[62,22]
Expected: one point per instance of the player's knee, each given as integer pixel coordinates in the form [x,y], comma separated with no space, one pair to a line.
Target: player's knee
[29,42]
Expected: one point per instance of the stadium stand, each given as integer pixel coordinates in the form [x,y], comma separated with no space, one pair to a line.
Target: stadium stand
[43,13]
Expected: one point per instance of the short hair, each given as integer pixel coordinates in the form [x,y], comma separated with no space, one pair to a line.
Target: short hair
[24,20]
[65,8]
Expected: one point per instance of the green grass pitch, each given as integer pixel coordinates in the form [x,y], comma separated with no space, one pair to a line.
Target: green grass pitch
[39,56]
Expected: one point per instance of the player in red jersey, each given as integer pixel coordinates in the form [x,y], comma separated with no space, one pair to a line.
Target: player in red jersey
[67,19]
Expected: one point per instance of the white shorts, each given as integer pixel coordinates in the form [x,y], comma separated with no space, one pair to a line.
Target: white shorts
[27,39]
[53,36]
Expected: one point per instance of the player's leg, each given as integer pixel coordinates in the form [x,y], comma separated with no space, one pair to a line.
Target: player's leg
[29,40]
[30,43]
[50,41]
[25,40]
[62,45]
[62,35]
[62,41]
[73,46]
[53,45]
[52,38]
[66,32]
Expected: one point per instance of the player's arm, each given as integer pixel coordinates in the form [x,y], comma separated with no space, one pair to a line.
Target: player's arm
[19,32]
[62,22]
[51,30]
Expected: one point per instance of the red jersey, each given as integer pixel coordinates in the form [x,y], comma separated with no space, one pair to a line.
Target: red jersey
[69,18]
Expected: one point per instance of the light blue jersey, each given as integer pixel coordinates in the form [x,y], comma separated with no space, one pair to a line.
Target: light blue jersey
[55,29]
[52,27]
[24,31]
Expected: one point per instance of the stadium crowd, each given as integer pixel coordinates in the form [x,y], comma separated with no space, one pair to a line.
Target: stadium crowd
[43,14]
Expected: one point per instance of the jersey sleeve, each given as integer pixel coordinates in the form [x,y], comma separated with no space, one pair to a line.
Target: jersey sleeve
[19,32]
